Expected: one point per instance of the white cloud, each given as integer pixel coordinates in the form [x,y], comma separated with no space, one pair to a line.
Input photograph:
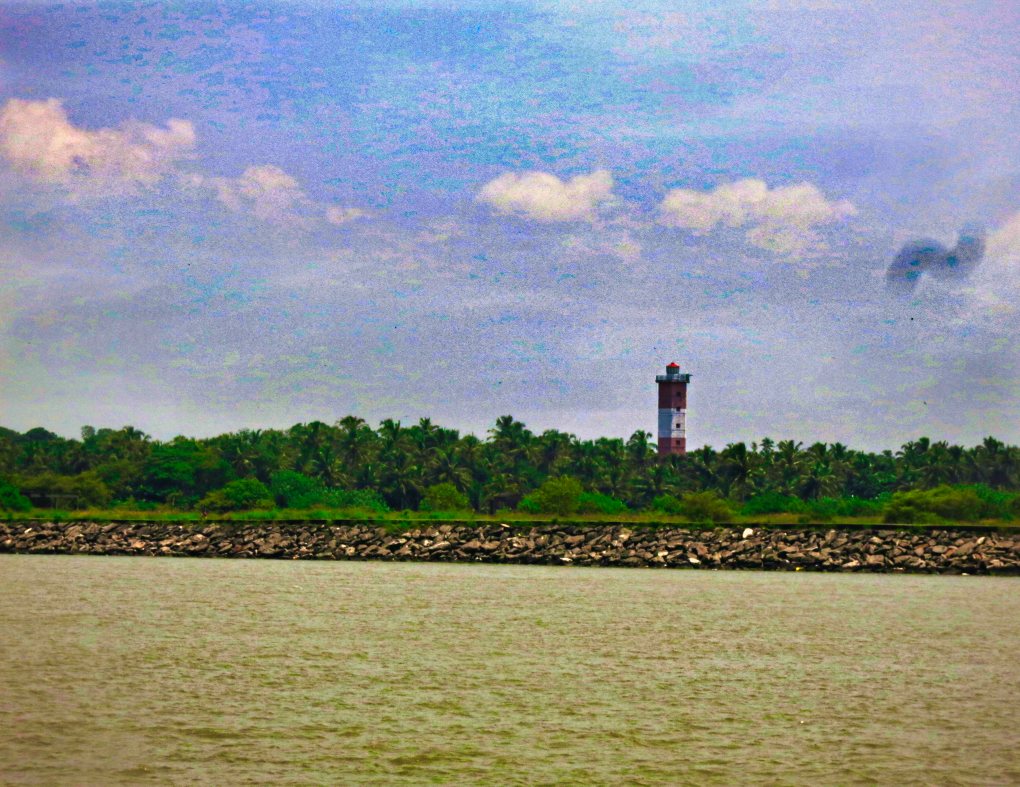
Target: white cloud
[1004,243]
[996,282]
[780,219]
[272,195]
[544,197]
[265,191]
[38,140]
[337,215]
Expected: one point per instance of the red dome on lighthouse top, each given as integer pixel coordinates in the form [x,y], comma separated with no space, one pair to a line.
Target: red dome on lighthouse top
[673,365]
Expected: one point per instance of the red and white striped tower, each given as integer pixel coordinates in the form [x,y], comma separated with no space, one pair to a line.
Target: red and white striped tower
[672,411]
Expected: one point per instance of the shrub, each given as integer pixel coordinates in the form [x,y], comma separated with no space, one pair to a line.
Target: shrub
[529,505]
[291,489]
[901,512]
[11,499]
[445,497]
[134,505]
[926,506]
[240,495]
[84,489]
[705,507]
[772,503]
[559,496]
[825,508]
[667,504]
[598,503]
[367,499]
[1002,505]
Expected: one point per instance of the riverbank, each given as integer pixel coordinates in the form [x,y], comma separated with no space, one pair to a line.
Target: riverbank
[890,549]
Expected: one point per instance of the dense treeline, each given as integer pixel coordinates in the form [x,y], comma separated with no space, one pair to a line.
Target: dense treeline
[350,464]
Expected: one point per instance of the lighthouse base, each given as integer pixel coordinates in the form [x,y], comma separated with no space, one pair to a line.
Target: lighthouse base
[672,445]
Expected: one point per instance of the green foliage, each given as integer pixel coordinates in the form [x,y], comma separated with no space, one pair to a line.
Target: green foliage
[1000,505]
[350,466]
[529,505]
[81,491]
[902,513]
[11,499]
[825,508]
[444,497]
[560,496]
[363,499]
[291,489]
[598,503]
[667,504]
[943,503]
[135,505]
[240,495]
[772,503]
[705,507]
[121,477]
[822,509]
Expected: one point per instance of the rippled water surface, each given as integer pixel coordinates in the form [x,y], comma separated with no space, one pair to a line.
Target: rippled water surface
[134,670]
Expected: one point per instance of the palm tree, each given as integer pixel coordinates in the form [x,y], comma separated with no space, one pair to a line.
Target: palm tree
[425,435]
[354,444]
[640,449]
[241,451]
[656,480]
[789,464]
[587,464]
[819,481]
[997,464]
[551,451]
[309,439]
[612,472]
[395,439]
[401,481]
[702,465]
[503,490]
[329,468]
[510,441]
[446,466]
[738,468]
[471,454]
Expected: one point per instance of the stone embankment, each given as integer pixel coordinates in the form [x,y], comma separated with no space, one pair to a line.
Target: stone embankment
[946,551]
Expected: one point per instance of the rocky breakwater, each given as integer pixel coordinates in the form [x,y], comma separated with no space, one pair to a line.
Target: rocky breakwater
[973,551]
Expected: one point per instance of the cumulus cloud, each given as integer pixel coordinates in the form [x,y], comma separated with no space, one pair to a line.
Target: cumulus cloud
[782,219]
[337,215]
[265,191]
[38,139]
[997,282]
[272,195]
[1004,243]
[544,197]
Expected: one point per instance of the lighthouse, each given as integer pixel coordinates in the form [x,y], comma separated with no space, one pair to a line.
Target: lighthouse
[672,411]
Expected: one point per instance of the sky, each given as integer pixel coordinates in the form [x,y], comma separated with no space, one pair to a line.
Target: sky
[225,216]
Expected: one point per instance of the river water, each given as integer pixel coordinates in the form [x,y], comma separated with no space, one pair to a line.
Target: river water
[145,670]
